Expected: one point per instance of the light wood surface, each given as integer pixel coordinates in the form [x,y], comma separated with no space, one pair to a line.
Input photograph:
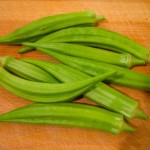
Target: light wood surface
[128,17]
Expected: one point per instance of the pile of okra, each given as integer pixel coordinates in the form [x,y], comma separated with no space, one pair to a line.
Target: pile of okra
[90,59]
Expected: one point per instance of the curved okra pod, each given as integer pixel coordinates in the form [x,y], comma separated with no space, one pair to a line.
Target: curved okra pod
[124,60]
[69,114]
[47,88]
[101,38]
[50,24]
[103,95]
[124,77]
[46,98]
[26,70]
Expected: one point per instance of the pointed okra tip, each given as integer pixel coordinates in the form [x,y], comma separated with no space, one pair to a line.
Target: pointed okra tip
[140,114]
[148,59]
[99,18]
[33,45]
[126,127]
[24,50]
[136,61]
[4,39]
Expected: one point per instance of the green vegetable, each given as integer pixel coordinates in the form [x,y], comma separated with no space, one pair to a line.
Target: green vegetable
[50,24]
[46,92]
[124,60]
[116,101]
[69,114]
[26,70]
[60,71]
[31,39]
[46,98]
[103,95]
[46,88]
[124,77]
[101,38]
[37,38]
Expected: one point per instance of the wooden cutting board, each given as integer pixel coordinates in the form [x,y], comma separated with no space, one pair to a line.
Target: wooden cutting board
[128,17]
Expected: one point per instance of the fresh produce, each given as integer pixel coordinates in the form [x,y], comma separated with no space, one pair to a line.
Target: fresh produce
[46,98]
[124,60]
[26,70]
[124,77]
[69,114]
[46,92]
[71,39]
[49,24]
[102,94]
[98,37]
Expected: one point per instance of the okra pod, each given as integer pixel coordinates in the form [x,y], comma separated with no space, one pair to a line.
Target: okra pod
[124,77]
[124,60]
[26,70]
[47,88]
[102,94]
[46,92]
[50,24]
[99,37]
[69,114]
[46,98]
[37,38]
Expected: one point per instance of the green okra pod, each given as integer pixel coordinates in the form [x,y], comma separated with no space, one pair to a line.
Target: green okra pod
[103,95]
[47,88]
[124,77]
[69,114]
[46,98]
[50,24]
[26,70]
[46,92]
[99,37]
[124,60]
[114,100]
[37,38]
[60,71]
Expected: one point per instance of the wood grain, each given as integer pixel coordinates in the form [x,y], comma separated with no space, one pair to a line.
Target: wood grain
[128,17]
